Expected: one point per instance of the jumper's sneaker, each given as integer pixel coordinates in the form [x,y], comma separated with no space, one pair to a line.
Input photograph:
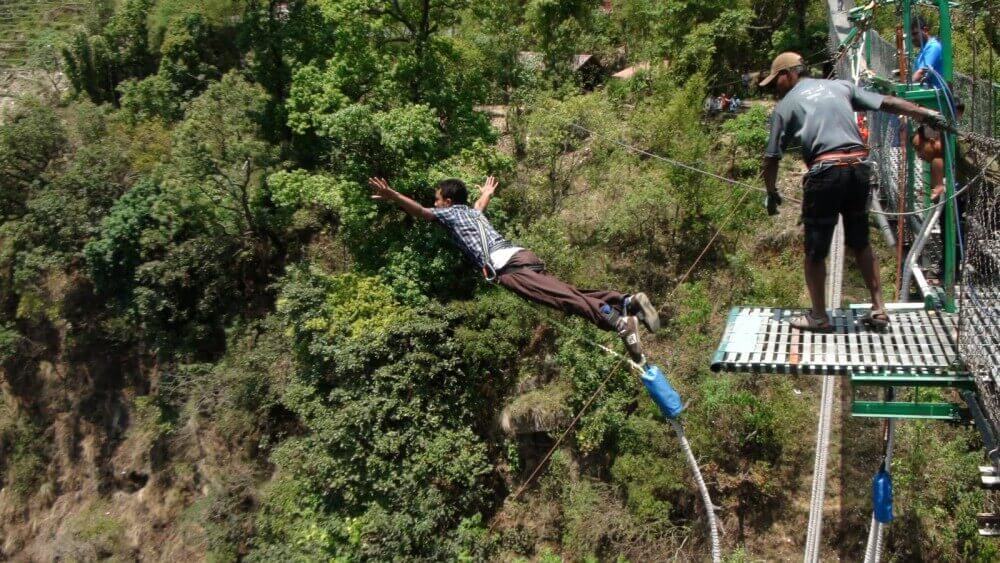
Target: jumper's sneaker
[628,330]
[640,306]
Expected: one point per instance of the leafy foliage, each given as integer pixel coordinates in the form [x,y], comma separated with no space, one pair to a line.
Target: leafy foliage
[201,299]
[30,139]
[557,24]
[95,64]
[221,153]
[23,456]
[749,137]
[387,464]
[193,54]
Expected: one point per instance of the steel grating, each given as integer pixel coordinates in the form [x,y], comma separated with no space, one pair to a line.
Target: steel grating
[760,340]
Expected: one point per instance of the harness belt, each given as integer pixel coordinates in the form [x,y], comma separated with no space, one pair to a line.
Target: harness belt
[489,272]
[840,158]
[539,267]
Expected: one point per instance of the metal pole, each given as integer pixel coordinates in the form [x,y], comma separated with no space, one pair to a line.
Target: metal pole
[883,223]
[950,206]
[868,48]
[918,247]
[971,111]
[907,42]
[945,32]
[906,78]
[903,172]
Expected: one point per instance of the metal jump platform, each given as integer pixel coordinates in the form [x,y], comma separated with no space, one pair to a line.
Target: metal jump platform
[920,349]
[760,340]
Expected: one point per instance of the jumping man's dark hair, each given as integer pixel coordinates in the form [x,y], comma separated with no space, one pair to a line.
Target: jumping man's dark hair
[455,190]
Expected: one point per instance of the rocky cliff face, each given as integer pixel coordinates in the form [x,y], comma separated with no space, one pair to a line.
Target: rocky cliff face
[93,471]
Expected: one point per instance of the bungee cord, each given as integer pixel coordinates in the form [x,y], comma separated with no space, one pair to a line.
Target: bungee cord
[709,507]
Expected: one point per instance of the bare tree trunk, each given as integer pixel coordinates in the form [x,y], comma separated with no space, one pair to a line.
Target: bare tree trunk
[423,36]
[801,7]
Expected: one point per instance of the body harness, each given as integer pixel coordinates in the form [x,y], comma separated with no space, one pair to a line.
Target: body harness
[489,272]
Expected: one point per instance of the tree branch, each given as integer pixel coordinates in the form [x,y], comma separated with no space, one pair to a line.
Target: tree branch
[396,12]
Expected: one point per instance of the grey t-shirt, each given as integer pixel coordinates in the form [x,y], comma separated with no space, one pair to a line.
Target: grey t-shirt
[820,115]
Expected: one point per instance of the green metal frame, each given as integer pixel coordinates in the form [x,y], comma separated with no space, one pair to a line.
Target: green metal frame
[906,410]
[959,380]
[860,18]
[935,300]
[950,225]
[915,409]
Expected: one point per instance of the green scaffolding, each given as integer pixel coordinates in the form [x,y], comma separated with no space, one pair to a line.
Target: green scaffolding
[898,168]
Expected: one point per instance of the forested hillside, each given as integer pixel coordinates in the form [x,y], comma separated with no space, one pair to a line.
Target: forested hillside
[216,346]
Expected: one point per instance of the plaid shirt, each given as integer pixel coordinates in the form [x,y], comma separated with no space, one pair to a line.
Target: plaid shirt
[461,223]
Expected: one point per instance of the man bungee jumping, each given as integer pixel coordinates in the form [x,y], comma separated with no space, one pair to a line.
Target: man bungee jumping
[819,114]
[518,269]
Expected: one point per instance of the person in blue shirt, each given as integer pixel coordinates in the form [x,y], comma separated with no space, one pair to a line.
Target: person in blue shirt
[930,56]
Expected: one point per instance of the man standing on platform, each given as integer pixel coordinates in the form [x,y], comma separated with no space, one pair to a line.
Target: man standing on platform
[819,115]
[928,66]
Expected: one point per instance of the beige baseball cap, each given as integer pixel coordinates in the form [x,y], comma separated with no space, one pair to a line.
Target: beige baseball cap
[782,62]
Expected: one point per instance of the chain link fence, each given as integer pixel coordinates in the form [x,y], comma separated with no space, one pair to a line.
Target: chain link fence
[979,336]
[979,291]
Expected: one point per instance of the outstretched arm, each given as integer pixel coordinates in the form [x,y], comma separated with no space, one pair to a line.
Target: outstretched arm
[381,190]
[899,106]
[486,194]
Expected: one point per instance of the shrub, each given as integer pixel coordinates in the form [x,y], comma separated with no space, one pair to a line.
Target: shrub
[10,343]
[31,136]
[387,465]
[152,97]
[92,534]
[647,468]
[96,64]
[934,500]
[752,429]
[748,132]
[22,453]
[587,367]
[162,261]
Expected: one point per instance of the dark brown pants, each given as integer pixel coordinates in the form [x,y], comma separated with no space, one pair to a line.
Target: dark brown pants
[550,291]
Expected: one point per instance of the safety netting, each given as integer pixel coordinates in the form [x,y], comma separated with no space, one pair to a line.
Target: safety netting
[887,140]
[979,336]
[979,294]
[884,130]
[978,291]
[982,102]
[889,149]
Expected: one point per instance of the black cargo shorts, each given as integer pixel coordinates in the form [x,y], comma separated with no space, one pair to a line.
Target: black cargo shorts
[832,189]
